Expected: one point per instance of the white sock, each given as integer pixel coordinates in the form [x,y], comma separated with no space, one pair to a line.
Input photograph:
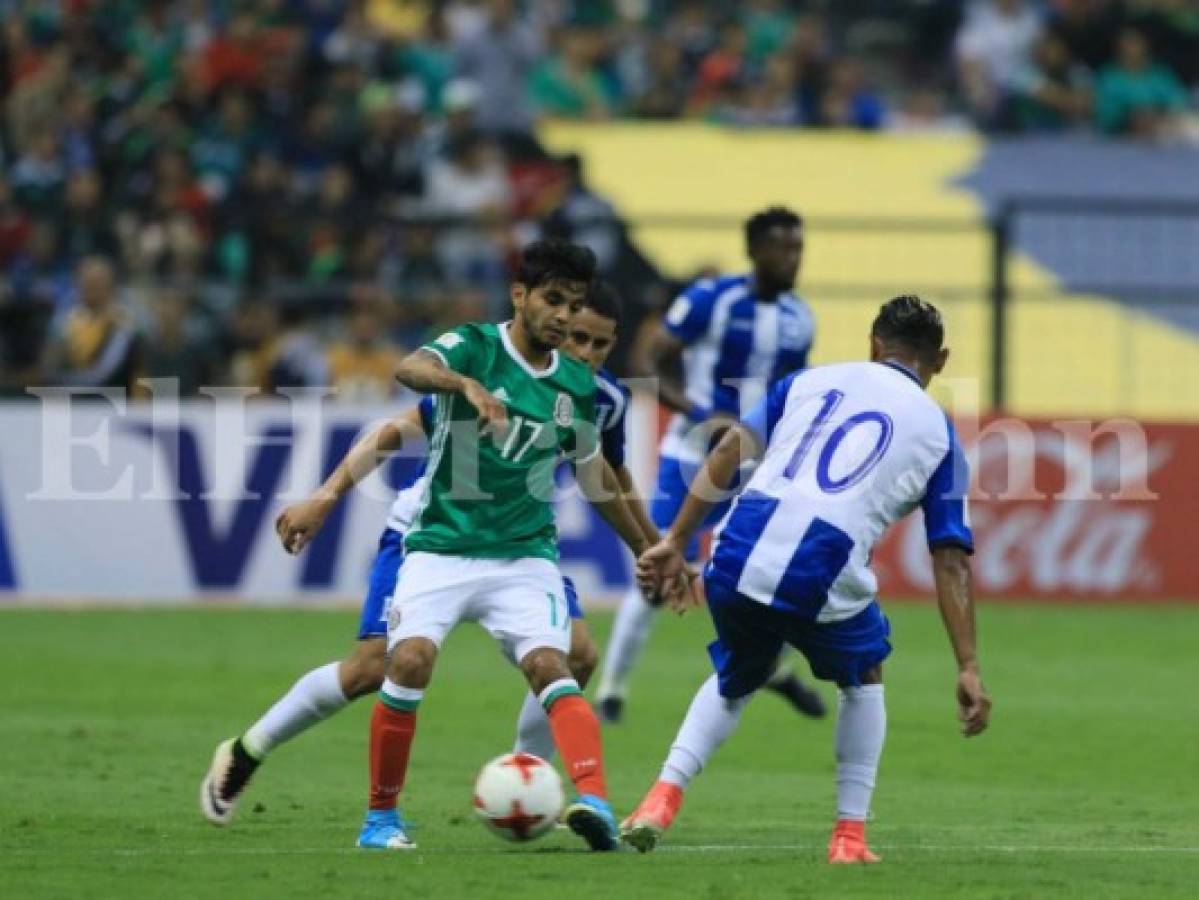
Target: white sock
[315,696]
[710,720]
[782,670]
[861,728]
[533,733]
[630,631]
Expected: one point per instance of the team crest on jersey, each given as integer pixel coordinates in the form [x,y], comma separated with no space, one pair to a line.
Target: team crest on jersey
[564,410]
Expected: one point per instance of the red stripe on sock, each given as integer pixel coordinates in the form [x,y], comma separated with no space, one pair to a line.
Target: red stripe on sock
[576,733]
[392,731]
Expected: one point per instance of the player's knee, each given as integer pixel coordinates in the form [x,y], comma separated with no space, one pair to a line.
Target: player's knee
[543,667]
[412,662]
[361,675]
[583,660]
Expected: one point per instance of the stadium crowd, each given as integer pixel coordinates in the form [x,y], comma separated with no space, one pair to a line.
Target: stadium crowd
[319,183]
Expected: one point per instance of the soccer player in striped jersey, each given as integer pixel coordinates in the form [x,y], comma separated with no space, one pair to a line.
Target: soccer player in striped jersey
[846,451]
[737,334]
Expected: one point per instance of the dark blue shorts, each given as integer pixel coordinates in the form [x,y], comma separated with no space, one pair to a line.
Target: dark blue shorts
[572,599]
[673,482]
[750,636]
[381,585]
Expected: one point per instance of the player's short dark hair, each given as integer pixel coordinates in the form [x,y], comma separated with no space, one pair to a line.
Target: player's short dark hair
[604,300]
[543,262]
[911,323]
[759,224]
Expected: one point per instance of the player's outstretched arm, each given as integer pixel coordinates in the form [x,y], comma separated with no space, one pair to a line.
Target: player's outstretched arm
[602,489]
[424,371]
[951,571]
[299,522]
[664,563]
[636,504]
[653,358]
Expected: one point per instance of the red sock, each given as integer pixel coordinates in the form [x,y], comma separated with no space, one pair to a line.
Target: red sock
[392,731]
[576,733]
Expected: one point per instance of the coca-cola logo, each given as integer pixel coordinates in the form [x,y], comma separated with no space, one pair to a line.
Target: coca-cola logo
[1063,507]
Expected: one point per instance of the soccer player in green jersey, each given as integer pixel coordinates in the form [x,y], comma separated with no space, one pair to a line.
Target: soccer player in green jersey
[483,545]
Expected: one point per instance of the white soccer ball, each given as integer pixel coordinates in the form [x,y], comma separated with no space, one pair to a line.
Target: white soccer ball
[518,796]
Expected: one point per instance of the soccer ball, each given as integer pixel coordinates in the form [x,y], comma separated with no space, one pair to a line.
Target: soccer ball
[518,796]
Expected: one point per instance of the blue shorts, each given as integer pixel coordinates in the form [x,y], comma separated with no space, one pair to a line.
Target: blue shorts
[572,599]
[750,636]
[381,585]
[674,477]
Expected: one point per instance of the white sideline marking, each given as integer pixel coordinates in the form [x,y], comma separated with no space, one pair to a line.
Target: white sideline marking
[667,848]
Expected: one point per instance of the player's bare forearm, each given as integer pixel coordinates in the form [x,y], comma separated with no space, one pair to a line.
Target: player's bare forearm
[368,453]
[602,489]
[951,573]
[424,372]
[637,505]
[299,523]
[711,483]
[651,360]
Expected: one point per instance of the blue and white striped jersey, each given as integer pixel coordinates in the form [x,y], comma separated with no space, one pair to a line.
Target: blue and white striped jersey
[611,405]
[850,449]
[735,346]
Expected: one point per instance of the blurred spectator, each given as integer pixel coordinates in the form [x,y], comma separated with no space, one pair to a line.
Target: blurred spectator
[296,358]
[15,229]
[177,346]
[1055,91]
[470,184]
[850,101]
[39,176]
[568,84]
[722,70]
[993,48]
[499,58]
[663,86]
[1088,28]
[771,101]
[1135,95]
[235,57]
[1172,29]
[96,345]
[583,216]
[84,227]
[769,25]
[362,368]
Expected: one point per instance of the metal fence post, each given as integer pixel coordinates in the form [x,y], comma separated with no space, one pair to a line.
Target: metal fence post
[1001,236]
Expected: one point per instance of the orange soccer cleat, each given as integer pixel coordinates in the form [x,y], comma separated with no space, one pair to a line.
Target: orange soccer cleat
[652,817]
[848,844]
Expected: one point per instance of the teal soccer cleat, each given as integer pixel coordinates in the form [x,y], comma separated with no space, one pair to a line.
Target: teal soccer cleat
[591,818]
[384,830]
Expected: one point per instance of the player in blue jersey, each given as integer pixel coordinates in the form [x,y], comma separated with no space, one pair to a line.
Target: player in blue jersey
[846,450]
[736,334]
[331,687]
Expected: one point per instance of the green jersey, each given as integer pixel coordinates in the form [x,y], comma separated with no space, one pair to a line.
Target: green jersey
[489,495]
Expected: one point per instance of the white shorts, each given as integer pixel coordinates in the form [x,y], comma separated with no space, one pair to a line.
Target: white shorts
[521,602]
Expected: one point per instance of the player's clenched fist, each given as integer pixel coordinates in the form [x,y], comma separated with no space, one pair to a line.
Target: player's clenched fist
[299,523]
[974,705]
[493,415]
[662,572]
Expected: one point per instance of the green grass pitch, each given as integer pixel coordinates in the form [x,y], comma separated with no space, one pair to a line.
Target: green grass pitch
[1085,786]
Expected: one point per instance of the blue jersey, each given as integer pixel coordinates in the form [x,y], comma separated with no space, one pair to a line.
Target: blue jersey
[735,345]
[611,405]
[850,449]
